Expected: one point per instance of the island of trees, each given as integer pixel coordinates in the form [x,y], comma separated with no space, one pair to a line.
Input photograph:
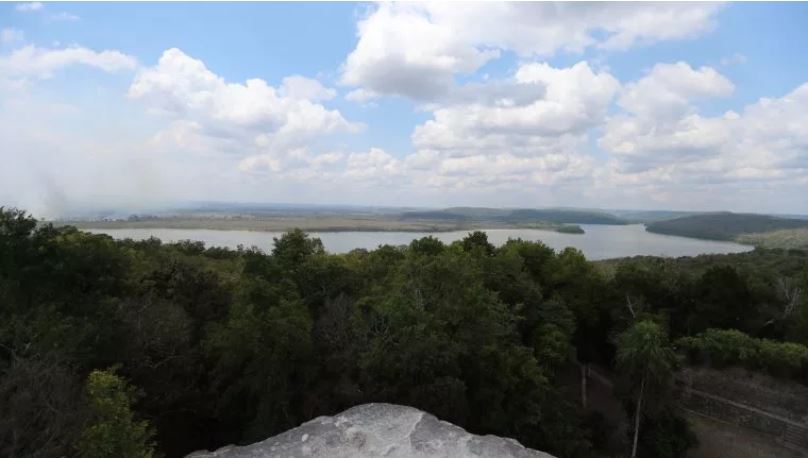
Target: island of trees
[139,348]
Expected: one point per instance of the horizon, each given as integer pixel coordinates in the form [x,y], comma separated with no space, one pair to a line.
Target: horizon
[90,212]
[581,106]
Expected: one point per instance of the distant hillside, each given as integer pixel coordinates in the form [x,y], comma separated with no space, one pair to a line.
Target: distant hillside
[558,216]
[792,238]
[724,225]
[649,216]
[565,216]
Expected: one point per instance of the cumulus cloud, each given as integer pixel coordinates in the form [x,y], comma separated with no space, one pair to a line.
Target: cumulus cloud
[497,171]
[401,51]
[361,95]
[657,142]
[565,103]
[209,115]
[662,141]
[574,132]
[374,167]
[660,123]
[374,164]
[416,49]
[669,90]
[33,62]
[529,131]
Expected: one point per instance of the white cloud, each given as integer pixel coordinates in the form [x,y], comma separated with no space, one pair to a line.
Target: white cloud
[401,51]
[11,35]
[416,49]
[292,162]
[641,144]
[372,168]
[573,100]
[493,171]
[669,90]
[523,139]
[251,120]
[64,16]
[39,7]
[529,132]
[29,6]
[374,164]
[361,95]
[41,63]
[299,87]
[766,143]
[660,124]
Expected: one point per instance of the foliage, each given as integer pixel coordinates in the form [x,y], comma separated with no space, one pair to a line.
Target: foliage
[232,346]
[645,356]
[573,229]
[796,238]
[521,216]
[723,225]
[112,430]
[731,347]
[666,435]
[643,351]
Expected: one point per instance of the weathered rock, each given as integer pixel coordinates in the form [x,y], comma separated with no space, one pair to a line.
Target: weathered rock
[378,430]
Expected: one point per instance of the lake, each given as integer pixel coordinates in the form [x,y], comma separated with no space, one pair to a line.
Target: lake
[599,242]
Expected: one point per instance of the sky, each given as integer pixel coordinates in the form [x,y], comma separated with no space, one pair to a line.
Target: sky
[685,106]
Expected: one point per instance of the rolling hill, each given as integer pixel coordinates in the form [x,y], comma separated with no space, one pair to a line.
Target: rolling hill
[723,225]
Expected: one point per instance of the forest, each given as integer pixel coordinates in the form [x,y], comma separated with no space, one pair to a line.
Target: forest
[140,348]
[725,225]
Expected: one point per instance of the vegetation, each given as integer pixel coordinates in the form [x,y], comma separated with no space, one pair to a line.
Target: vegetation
[517,216]
[573,229]
[112,430]
[645,356]
[721,348]
[723,225]
[423,221]
[105,343]
[796,238]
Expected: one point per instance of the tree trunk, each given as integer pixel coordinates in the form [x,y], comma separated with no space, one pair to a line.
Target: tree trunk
[584,377]
[637,413]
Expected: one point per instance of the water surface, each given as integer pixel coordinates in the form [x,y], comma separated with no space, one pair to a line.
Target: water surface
[599,241]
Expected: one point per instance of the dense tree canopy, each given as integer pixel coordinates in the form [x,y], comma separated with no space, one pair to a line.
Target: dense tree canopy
[170,348]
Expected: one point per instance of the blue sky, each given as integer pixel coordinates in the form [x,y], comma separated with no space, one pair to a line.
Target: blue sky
[655,106]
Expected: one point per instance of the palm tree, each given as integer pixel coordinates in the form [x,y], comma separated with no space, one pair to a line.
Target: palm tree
[644,354]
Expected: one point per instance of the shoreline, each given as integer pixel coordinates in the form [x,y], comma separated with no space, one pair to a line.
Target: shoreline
[316,225]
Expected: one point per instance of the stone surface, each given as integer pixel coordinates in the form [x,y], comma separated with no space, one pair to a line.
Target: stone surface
[378,430]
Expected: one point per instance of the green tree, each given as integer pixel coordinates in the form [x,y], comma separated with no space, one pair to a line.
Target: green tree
[644,355]
[293,247]
[478,241]
[261,355]
[113,430]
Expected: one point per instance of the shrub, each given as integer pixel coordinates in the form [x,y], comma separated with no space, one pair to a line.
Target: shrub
[718,347]
[113,431]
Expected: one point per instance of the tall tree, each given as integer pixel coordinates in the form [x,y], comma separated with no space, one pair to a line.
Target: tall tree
[645,356]
[113,431]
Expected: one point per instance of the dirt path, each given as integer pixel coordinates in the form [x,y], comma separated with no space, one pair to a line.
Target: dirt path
[720,439]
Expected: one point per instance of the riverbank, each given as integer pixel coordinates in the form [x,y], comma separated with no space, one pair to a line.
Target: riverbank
[316,224]
[598,242]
